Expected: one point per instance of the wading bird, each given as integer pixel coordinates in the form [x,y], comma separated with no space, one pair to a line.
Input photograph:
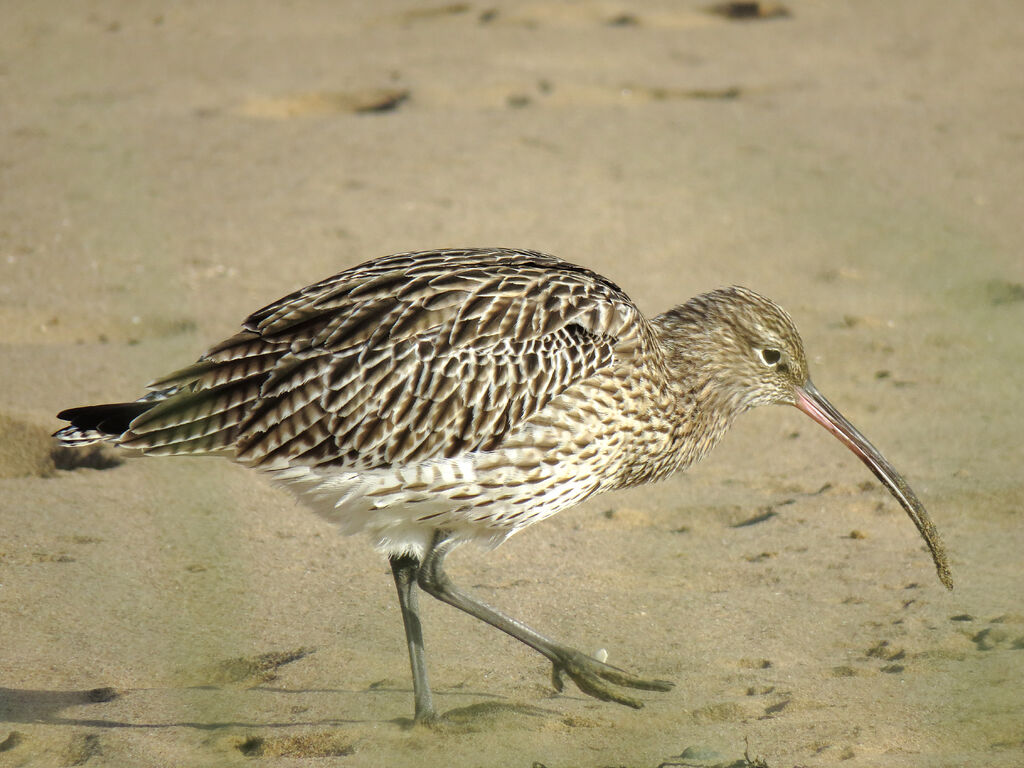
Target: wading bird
[430,399]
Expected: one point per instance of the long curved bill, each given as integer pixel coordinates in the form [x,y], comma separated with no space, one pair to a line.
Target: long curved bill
[813,403]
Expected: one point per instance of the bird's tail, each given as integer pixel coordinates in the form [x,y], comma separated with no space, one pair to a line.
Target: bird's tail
[95,423]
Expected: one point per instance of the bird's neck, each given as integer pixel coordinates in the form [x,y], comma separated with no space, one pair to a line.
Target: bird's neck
[701,406]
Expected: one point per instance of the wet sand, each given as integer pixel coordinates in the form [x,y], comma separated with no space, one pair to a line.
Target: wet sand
[169,168]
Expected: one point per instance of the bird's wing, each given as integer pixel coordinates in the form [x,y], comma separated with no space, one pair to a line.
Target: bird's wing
[403,359]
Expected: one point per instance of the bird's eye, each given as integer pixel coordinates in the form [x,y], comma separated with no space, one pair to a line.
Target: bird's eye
[770,356]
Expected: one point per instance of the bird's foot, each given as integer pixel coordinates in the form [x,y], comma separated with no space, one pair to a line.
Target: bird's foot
[593,677]
[428,718]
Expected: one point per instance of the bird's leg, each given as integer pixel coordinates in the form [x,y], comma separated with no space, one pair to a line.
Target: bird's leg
[590,675]
[404,568]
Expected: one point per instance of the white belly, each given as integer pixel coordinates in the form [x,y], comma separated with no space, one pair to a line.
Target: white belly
[480,497]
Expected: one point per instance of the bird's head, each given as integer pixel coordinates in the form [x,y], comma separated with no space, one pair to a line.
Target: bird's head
[746,346]
[745,351]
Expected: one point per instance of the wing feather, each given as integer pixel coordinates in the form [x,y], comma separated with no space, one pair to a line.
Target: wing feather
[402,359]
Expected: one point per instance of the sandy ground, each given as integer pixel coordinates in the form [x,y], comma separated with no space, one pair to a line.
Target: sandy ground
[169,167]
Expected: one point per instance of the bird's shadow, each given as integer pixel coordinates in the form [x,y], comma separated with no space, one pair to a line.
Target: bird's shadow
[47,707]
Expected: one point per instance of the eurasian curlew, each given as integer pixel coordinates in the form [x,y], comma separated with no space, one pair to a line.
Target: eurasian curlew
[434,398]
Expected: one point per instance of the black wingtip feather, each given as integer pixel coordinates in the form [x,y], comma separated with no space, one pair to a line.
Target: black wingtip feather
[110,419]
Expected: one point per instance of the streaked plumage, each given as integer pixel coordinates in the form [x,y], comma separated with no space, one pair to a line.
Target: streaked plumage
[445,396]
